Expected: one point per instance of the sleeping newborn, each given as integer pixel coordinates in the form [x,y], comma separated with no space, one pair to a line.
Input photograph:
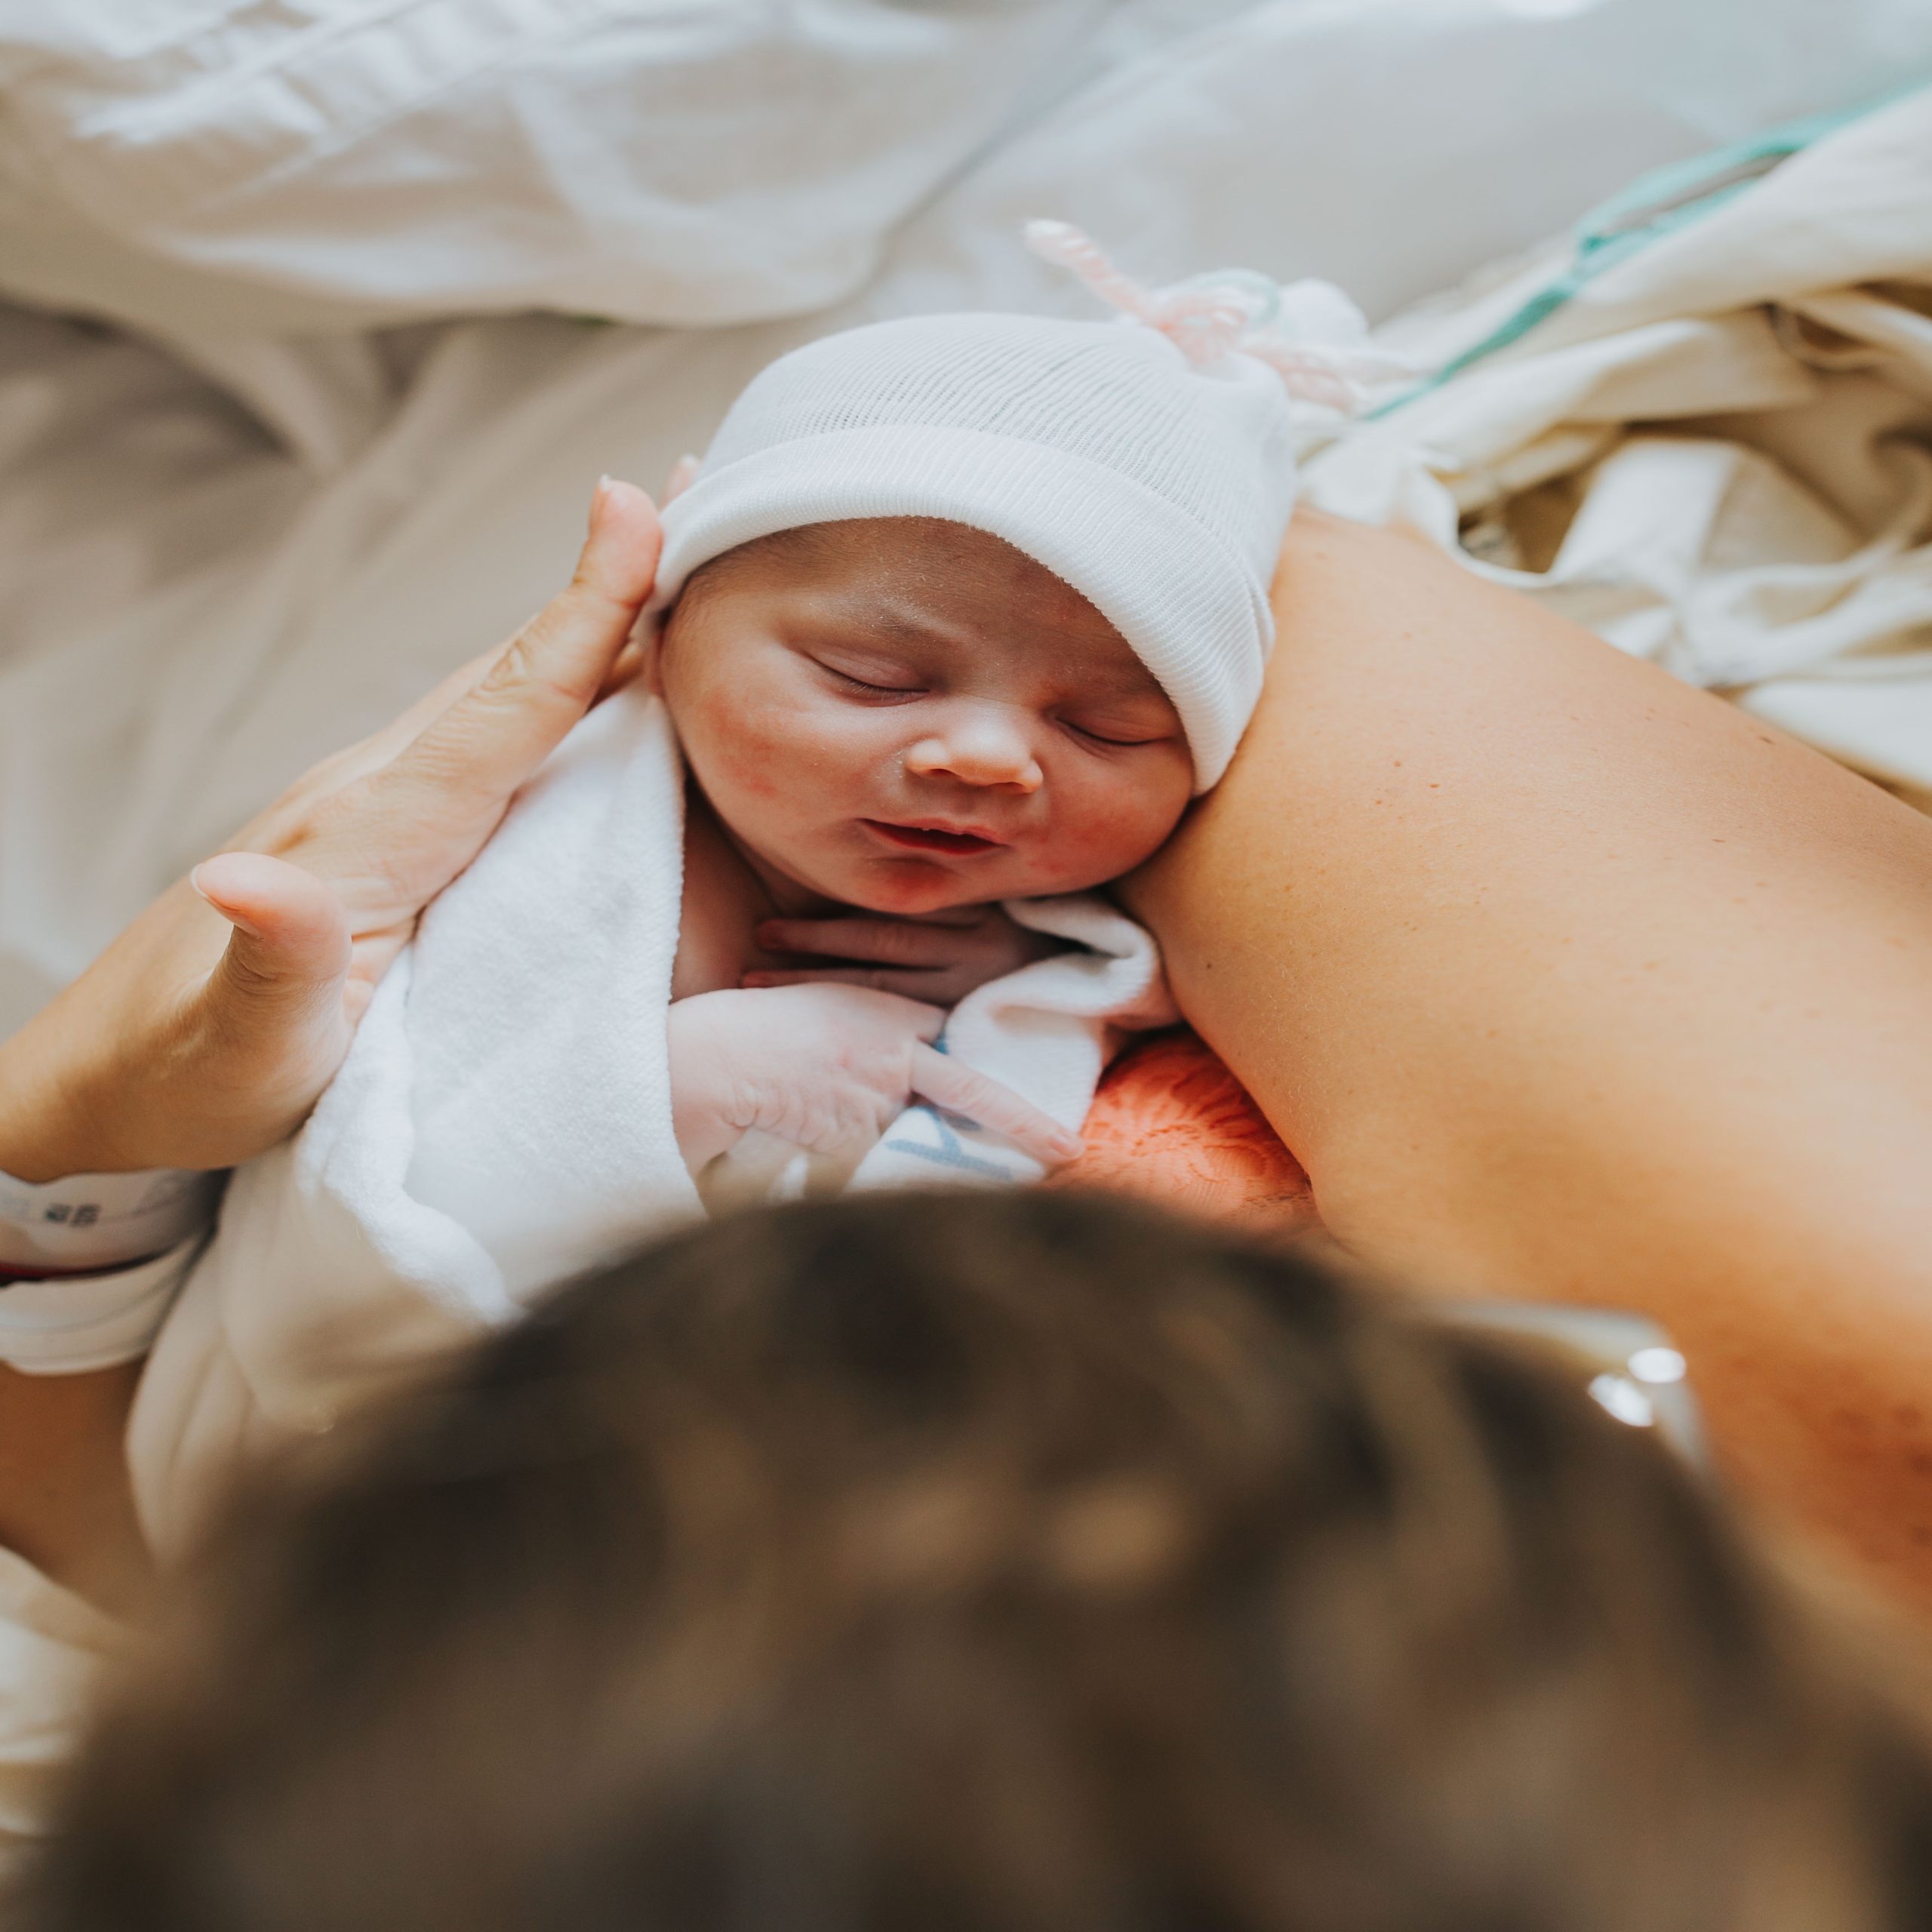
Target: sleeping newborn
[959,613]
[890,726]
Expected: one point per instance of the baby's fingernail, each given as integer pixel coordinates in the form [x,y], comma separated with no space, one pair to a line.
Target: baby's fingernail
[756,979]
[1070,1147]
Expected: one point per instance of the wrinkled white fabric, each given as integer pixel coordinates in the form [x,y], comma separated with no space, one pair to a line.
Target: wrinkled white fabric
[1715,454]
[246,164]
[198,597]
[71,1326]
[236,165]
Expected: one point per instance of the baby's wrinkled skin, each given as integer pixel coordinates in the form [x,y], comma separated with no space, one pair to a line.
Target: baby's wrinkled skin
[889,724]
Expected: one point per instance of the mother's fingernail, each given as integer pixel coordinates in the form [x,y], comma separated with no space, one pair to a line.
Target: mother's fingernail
[247,926]
[600,497]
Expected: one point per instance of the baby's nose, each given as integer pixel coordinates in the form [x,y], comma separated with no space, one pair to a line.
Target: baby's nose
[987,747]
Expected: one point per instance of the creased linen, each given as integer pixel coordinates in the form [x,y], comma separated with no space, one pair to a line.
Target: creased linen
[246,165]
[1717,453]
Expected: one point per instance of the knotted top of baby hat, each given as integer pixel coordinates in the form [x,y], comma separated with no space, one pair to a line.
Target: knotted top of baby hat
[1151,466]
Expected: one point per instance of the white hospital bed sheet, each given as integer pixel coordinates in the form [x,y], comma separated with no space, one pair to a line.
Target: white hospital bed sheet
[198,598]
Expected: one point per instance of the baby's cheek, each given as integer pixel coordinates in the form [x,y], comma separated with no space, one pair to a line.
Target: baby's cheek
[1111,835]
[746,751]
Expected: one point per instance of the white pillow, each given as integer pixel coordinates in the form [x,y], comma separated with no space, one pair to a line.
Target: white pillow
[227,164]
[204,167]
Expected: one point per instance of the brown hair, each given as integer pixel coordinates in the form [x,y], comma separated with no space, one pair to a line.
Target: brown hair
[997,1564]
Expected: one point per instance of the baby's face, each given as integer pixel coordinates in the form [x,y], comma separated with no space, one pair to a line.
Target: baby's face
[906,714]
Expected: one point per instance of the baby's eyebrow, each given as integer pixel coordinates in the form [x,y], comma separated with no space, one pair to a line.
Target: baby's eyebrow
[1106,686]
[888,619]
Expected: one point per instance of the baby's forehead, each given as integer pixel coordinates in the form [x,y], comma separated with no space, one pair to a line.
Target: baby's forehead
[909,578]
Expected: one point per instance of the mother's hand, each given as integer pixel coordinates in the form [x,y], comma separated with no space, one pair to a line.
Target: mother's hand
[205,1033]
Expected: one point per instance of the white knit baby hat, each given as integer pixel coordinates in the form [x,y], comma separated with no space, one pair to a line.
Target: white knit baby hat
[1151,466]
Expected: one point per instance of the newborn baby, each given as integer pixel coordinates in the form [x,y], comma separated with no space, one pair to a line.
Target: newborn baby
[959,613]
[906,718]
[961,610]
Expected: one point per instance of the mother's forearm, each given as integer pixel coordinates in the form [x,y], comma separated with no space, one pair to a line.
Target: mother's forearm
[66,1502]
[1566,980]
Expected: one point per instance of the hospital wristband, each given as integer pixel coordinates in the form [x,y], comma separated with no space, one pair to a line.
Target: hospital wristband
[78,1324]
[89,1222]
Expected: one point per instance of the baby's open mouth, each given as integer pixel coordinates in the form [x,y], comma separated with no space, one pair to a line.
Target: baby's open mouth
[931,837]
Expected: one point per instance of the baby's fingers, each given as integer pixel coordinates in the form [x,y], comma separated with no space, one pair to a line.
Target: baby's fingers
[959,1089]
[909,985]
[499,726]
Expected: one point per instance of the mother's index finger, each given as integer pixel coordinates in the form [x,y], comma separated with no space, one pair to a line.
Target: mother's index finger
[493,735]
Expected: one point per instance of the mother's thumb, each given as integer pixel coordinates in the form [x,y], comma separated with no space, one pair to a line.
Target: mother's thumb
[289,951]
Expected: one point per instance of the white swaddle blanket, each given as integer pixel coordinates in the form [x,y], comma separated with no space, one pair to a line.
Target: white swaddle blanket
[503,1119]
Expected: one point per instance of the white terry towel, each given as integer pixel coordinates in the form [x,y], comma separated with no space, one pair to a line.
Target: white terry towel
[503,1119]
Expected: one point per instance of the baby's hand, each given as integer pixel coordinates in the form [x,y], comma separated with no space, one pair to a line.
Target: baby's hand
[940,959]
[828,1069]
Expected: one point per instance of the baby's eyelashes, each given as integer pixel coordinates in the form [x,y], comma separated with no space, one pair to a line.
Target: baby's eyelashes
[1125,730]
[867,674]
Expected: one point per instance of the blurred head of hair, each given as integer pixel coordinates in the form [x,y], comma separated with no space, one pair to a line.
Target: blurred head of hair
[1015,1563]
